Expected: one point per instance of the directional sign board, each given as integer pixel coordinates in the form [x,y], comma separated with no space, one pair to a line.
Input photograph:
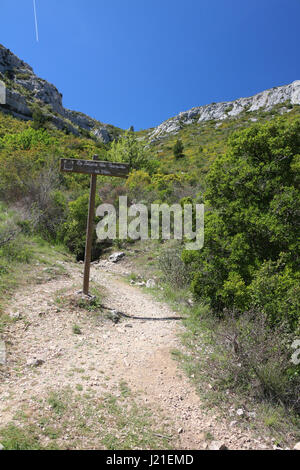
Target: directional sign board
[94,167]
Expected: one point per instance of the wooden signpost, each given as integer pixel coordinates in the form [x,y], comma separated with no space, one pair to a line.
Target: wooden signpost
[92,167]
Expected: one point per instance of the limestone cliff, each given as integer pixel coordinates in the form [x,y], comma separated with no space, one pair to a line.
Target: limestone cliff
[266,100]
[25,90]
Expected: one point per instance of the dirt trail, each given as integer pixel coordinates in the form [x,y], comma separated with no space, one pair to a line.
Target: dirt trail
[134,351]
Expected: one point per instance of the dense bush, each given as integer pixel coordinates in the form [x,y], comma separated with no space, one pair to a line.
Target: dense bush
[26,152]
[251,356]
[132,151]
[73,230]
[174,270]
[12,247]
[39,119]
[46,204]
[160,188]
[30,176]
[275,289]
[8,227]
[49,213]
[178,149]
[251,251]
[23,156]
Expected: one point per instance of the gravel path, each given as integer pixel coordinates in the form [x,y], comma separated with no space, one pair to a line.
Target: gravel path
[137,352]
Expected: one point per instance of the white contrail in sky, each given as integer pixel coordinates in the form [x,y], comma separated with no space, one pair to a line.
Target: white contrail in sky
[36,23]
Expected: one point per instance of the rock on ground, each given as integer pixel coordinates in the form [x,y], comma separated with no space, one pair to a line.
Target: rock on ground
[150,284]
[115,257]
[217,445]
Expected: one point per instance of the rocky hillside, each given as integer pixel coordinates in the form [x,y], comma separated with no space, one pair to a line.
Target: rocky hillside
[266,100]
[25,91]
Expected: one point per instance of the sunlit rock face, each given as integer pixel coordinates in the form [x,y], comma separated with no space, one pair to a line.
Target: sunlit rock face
[23,90]
[265,100]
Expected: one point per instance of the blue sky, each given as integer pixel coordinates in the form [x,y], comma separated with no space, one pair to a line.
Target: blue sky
[139,62]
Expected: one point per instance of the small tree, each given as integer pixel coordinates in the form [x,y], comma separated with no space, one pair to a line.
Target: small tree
[130,150]
[178,149]
[250,258]
[39,119]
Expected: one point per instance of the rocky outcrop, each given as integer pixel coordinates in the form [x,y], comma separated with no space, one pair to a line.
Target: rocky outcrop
[265,100]
[24,90]
[116,257]
[16,103]
[102,134]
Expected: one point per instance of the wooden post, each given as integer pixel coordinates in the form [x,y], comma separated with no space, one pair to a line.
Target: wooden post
[89,233]
[92,167]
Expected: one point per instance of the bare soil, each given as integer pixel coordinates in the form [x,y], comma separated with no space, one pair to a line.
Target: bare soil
[137,352]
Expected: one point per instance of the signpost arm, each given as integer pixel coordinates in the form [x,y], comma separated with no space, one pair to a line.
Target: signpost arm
[89,233]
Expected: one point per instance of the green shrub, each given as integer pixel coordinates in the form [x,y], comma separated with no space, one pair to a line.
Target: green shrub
[130,150]
[76,330]
[16,251]
[23,157]
[13,437]
[49,213]
[178,149]
[39,119]
[12,242]
[250,355]
[252,225]
[173,268]
[73,231]
[275,290]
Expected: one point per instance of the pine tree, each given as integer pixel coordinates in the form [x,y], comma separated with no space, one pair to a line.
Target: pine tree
[178,149]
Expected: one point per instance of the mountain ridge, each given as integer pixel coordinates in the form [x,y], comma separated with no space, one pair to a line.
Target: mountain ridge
[25,90]
[266,99]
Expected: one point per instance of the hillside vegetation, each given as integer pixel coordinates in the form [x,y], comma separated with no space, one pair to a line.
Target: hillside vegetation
[245,281]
